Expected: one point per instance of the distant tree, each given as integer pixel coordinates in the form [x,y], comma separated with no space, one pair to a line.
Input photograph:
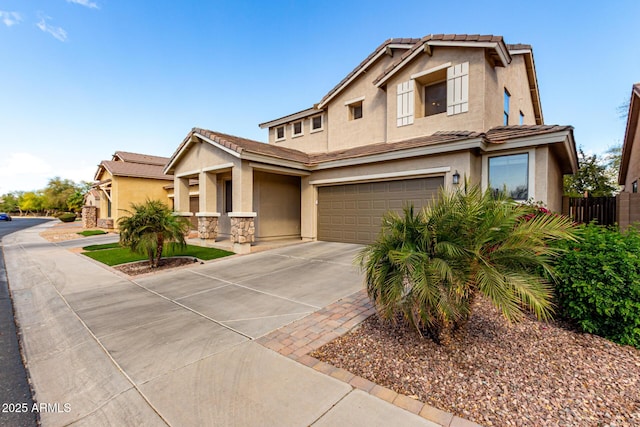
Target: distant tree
[149,227]
[591,179]
[57,193]
[31,202]
[76,200]
[9,202]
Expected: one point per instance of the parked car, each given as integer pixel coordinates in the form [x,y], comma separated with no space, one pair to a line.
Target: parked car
[5,217]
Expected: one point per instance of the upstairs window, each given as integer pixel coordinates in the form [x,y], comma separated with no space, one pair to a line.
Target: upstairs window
[316,123]
[355,111]
[435,98]
[279,133]
[296,129]
[521,118]
[507,98]
[355,108]
[634,186]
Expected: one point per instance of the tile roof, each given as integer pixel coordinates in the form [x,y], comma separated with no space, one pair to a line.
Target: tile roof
[406,41]
[387,147]
[519,46]
[140,158]
[135,170]
[439,37]
[501,134]
[497,135]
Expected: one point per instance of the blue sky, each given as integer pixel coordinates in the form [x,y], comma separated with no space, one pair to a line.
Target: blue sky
[84,78]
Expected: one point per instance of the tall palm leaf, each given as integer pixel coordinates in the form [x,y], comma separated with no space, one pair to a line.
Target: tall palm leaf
[427,267]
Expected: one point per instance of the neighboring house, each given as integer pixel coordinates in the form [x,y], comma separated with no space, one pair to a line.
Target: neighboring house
[628,201]
[414,116]
[125,179]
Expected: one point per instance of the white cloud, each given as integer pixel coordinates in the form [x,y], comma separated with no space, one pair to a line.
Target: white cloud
[85,3]
[10,18]
[22,171]
[57,32]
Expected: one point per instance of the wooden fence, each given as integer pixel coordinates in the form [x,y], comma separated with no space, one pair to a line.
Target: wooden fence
[588,209]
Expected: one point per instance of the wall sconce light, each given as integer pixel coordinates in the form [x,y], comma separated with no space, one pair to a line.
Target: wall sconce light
[456,178]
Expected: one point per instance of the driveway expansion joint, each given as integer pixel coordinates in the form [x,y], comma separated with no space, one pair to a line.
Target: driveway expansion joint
[301,337]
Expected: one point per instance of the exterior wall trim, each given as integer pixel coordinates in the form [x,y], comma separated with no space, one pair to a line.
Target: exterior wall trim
[209,214]
[242,214]
[382,176]
[430,70]
[278,169]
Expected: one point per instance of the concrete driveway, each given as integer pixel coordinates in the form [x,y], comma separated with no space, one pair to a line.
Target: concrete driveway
[178,348]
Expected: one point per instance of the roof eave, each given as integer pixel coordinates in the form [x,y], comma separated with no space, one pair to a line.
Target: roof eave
[630,133]
[499,47]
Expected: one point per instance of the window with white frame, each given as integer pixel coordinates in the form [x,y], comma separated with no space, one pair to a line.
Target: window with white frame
[510,174]
[355,111]
[280,133]
[317,123]
[296,129]
[444,88]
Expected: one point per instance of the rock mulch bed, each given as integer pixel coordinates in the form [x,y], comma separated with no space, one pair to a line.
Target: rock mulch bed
[143,267]
[497,374]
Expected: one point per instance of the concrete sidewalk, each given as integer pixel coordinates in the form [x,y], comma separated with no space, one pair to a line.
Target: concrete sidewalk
[178,348]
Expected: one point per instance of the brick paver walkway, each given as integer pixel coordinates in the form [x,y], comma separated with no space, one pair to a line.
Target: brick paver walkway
[296,340]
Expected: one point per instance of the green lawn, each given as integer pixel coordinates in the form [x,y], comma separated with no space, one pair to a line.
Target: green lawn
[92,232]
[113,254]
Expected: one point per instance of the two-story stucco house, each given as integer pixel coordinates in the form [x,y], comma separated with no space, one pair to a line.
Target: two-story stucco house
[414,116]
[127,178]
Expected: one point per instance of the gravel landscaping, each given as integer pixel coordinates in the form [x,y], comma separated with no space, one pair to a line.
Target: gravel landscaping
[497,374]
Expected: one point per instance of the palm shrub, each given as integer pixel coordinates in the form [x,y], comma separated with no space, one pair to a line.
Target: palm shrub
[152,224]
[427,267]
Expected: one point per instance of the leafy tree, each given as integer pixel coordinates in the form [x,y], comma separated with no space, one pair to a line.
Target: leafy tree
[31,202]
[149,227]
[591,179]
[76,200]
[57,192]
[426,268]
[9,202]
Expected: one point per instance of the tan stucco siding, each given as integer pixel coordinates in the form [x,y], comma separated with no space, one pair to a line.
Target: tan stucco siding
[345,132]
[309,142]
[514,79]
[277,202]
[471,120]
[200,155]
[554,183]
[127,190]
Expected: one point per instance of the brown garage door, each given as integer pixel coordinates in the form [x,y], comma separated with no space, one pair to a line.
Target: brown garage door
[353,212]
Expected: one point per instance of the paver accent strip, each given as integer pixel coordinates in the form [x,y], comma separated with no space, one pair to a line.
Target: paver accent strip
[297,339]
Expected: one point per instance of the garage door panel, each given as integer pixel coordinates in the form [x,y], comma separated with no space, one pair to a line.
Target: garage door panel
[353,212]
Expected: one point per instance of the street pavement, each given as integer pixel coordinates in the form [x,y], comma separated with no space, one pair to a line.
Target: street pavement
[15,393]
[178,348]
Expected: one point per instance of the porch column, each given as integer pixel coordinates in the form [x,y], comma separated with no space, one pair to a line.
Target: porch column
[308,209]
[207,215]
[242,218]
[181,197]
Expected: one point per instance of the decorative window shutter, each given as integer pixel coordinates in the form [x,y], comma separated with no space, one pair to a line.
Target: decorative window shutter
[405,103]
[458,89]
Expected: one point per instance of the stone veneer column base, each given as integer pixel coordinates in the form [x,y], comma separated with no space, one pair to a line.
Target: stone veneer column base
[89,217]
[243,231]
[208,225]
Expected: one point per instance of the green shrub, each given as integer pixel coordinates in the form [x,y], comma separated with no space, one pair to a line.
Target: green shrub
[598,283]
[67,217]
